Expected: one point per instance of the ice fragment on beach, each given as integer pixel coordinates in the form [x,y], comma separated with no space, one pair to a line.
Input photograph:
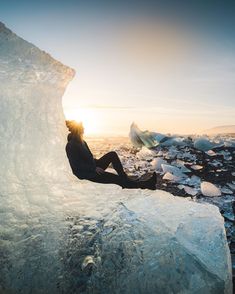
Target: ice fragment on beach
[225,190]
[172,152]
[193,181]
[196,167]
[230,216]
[226,155]
[231,186]
[157,162]
[173,170]
[215,163]
[180,165]
[145,153]
[211,153]
[203,144]
[209,189]
[190,190]
[187,155]
[170,177]
[160,153]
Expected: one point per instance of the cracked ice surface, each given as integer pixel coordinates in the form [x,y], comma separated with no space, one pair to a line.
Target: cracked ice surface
[61,235]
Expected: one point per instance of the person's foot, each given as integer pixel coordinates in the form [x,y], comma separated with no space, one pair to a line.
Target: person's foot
[151,183]
[154,177]
[129,178]
[133,178]
[158,182]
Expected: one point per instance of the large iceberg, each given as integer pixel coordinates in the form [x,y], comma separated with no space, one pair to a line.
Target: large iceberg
[61,235]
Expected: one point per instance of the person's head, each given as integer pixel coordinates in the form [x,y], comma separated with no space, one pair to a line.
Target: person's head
[76,128]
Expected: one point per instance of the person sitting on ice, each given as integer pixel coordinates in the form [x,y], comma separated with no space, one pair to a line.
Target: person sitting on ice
[85,166]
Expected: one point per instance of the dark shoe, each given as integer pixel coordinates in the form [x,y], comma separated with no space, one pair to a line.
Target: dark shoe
[154,177]
[150,183]
[125,177]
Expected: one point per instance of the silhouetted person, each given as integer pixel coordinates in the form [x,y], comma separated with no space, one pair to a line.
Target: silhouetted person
[85,166]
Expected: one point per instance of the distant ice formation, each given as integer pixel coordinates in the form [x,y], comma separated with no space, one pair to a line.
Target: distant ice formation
[61,235]
[149,139]
[143,138]
[152,139]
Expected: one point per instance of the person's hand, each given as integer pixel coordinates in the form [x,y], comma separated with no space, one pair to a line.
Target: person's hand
[99,170]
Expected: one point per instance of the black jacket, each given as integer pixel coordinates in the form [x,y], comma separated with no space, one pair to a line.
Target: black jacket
[80,158]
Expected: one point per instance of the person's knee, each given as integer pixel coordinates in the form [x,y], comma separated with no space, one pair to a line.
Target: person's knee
[113,153]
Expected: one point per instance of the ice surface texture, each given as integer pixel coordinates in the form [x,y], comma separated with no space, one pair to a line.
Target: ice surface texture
[61,235]
[32,122]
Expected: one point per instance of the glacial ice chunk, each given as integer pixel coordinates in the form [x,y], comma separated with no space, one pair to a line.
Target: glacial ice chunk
[194,181]
[211,153]
[225,190]
[174,250]
[190,190]
[152,139]
[140,138]
[209,189]
[145,153]
[171,177]
[196,167]
[180,165]
[231,186]
[173,170]
[205,144]
[157,162]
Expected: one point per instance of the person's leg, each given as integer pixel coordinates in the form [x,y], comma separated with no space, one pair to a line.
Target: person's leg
[109,178]
[111,157]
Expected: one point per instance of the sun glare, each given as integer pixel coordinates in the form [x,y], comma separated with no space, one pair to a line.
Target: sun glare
[87,116]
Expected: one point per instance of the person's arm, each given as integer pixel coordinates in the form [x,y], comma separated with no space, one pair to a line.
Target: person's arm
[88,148]
[98,169]
[84,152]
[80,160]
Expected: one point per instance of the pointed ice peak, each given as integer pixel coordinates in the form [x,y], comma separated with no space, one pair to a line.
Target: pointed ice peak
[17,55]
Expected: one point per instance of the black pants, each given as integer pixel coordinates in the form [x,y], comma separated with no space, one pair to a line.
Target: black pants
[120,179]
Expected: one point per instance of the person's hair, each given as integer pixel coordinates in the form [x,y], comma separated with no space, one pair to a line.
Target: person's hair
[76,128]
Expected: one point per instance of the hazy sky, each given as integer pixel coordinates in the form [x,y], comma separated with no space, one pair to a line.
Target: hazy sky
[167,65]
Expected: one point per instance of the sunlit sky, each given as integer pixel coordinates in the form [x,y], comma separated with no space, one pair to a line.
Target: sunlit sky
[167,65]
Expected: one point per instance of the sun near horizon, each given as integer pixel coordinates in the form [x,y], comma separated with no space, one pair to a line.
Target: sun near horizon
[112,122]
[87,116]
